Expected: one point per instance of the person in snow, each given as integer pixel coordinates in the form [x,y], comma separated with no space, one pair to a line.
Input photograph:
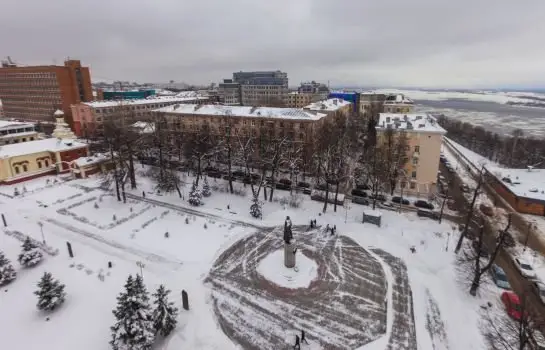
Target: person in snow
[297,343]
[303,338]
[143,194]
[327,228]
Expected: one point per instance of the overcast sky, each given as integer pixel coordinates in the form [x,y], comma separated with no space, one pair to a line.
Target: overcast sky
[429,43]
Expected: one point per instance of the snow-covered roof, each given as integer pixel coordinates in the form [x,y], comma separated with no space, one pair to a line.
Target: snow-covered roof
[10,124]
[414,122]
[94,159]
[144,127]
[329,105]
[522,182]
[144,101]
[398,98]
[242,111]
[46,145]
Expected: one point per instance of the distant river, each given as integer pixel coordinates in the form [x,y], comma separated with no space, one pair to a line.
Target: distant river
[496,117]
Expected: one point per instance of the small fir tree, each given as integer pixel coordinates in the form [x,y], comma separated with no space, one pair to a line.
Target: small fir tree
[7,272]
[206,188]
[133,329]
[164,314]
[195,195]
[30,255]
[255,208]
[50,293]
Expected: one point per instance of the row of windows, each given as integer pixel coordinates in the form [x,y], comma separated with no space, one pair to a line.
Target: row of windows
[24,139]
[24,167]
[27,75]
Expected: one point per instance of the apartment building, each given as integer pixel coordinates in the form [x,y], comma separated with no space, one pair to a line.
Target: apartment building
[371,104]
[306,94]
[424,140]
[255,88]
[16,132]
[36,92]
[89,117]
[398,103]
[294,124]
[332,106]
[1,110]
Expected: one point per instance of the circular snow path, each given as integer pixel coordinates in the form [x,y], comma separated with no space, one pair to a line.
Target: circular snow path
[272,268]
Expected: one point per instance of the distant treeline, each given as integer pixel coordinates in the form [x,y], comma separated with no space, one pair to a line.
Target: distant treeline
[514,151]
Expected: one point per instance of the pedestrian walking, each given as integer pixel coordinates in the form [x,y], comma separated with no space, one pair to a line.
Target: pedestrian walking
[297,343]
[303,338]
[143,194]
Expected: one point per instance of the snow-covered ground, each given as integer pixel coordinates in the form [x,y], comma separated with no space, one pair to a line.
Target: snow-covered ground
[81,213]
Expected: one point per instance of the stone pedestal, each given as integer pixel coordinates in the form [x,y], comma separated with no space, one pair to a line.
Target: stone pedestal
[289,255]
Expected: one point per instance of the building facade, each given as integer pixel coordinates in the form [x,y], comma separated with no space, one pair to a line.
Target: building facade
[112,95]
[255,88]
[89,117]
[352,97]
[16,132]
[424,138]
[332,106]
[34,93]
[371,104]
[398,103]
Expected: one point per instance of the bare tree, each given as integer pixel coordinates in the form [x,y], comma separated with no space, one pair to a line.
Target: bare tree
[225,147]
[394,150]
[200,146]
[479,271]
[469,215]
[505,333]
[245,152]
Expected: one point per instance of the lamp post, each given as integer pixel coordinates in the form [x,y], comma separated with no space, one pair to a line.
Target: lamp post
[42,230]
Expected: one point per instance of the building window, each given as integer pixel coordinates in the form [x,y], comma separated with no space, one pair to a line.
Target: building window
[417,149]
[46,163]
[25,168]
[16,170]
[412,185]
[413,174]
[415,161]
[39,164]
[32,139]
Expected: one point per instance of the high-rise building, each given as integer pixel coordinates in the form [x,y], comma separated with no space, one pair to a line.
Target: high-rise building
[36,92]
[268,88]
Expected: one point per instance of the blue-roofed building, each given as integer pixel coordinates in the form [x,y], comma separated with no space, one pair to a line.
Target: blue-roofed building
[127,95]
[352,97]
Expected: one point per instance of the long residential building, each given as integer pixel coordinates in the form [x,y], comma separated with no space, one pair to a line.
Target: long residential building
[16,132]
[423,148]
[294,124]
[89,117]
[36,92]
[255,88]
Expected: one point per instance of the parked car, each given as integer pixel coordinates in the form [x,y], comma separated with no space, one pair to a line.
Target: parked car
[360,200]
[387,206]
[363,187]
[512,305]
[238,173]
[525,268]
[302,184]
[358,192]
[321,187]
[423,204]
[214,174]
[499,277]
[286,182]
[380,197]
[427,214]
[211,169]
[398,199]
[539,289]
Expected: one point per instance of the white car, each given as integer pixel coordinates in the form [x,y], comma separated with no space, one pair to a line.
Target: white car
[539,288]
[525,268]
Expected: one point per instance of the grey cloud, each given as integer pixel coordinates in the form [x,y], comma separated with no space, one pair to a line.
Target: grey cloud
[391,42]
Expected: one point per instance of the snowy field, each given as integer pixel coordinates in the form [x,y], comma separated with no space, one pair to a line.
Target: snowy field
[418,287]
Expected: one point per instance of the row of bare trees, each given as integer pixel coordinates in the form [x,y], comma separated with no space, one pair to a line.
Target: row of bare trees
[514,150]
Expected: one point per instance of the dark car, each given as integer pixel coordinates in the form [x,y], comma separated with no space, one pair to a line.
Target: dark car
[238,173]
[359,193]
[321,187]
[360,200]
[379,197]
[398,199]
[302,184]
[427,214]
[285,182]
[211,169]
[214,174]
[423,204]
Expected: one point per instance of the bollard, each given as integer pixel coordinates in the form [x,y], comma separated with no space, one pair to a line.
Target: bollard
[70,252]
[185,301]
[4,220]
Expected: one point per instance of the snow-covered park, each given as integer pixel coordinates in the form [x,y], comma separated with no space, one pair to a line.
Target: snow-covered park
[361,288]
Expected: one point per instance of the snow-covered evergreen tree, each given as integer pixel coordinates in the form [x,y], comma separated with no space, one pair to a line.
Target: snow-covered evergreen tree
[164,313]
[206,188]
[50,292]
[195,195]
[30,255]
[133,329]
[7,272]
[255,208]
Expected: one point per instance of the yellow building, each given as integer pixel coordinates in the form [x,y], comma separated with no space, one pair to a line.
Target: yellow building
[424,140]
[398,103]
[330,107]
[32,159]
[296,99]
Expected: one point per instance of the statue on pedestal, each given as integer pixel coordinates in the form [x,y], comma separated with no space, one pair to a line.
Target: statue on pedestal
[289,250]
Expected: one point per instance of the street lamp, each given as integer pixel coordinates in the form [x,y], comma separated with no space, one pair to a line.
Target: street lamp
[42,230]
